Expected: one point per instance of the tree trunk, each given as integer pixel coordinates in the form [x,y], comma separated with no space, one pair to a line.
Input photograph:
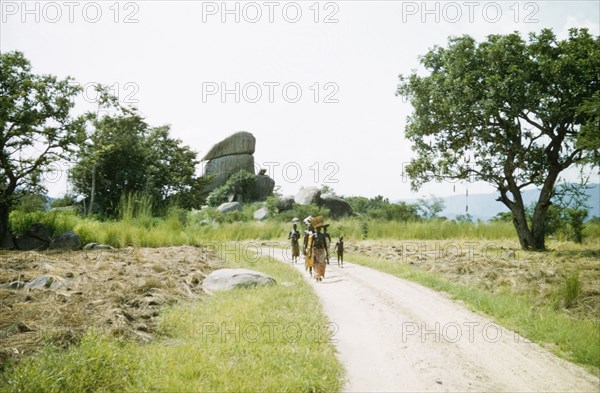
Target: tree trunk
[6,239]
[525,235]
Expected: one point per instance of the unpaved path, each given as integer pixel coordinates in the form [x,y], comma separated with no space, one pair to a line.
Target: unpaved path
[396,336]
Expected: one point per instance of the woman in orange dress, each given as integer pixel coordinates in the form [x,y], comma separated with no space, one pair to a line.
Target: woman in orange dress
[319,248]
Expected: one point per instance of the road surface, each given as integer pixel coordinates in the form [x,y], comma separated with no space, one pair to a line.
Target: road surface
[393,335]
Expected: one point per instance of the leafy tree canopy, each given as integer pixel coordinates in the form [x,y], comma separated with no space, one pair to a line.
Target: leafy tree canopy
[36,129]
[508,112]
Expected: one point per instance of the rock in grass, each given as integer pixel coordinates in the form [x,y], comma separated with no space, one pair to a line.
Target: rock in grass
[96,246]
[308,195]
[261,214]
[45,282]
[227,279]
[68,241]
[229,207]
[12,285]
[36,237]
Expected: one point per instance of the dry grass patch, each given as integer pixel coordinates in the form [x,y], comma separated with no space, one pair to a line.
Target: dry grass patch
[118,293]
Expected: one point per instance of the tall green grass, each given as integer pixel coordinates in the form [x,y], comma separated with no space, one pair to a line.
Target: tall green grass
[575,340]
[138,228]
[571,289]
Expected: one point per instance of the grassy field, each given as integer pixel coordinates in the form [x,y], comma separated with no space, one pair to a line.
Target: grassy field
[180,228]
[264,339]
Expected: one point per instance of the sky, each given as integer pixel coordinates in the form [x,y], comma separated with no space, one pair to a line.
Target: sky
[313,81]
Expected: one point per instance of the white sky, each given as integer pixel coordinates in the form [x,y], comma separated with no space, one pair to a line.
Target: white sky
[171,51]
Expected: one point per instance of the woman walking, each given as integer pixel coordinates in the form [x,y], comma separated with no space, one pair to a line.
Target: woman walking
[319,248]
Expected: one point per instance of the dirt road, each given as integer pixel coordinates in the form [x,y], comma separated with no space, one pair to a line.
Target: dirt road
[396,336]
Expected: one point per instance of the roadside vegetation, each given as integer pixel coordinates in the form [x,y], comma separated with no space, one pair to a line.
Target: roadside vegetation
[261,339]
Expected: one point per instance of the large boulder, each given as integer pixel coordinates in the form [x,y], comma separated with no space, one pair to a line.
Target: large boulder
[68,241]
[224,167]
[227,279]
[239,143]
[264,187]
[285,203]
[307,195]
[229,207]
[336,205]
[229,164]
[36,237]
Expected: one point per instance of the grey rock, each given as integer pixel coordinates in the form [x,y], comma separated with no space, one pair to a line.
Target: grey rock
[239,143]
[223,167]
[261,214]
[285,203]
[68,241]
[45,282]
[264,187]
[229,164]
[13,285]
[307,195]
[36,237]
[336,205]
[96,246]
[229,207]
[227,279]
[39,230]
[29,243]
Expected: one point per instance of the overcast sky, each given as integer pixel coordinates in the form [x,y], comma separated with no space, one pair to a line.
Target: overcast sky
[315,81]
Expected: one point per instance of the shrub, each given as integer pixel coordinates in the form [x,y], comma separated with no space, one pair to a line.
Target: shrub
[241,184]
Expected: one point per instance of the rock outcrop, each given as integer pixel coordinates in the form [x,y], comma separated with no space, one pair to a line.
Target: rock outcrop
[231,155]
[336,205]
[223,167]
[308,195]
[264,187]
[239,143]
[285,203]
[68,241]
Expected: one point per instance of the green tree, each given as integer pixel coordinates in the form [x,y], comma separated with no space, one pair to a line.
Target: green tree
[112,161]
[381,208]
[124,155]
[171,173]
[507,112]
[36,129]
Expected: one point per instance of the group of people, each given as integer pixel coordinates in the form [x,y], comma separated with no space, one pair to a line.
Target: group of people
[315,246]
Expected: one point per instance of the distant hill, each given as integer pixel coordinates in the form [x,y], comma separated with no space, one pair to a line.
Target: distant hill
[485,206]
